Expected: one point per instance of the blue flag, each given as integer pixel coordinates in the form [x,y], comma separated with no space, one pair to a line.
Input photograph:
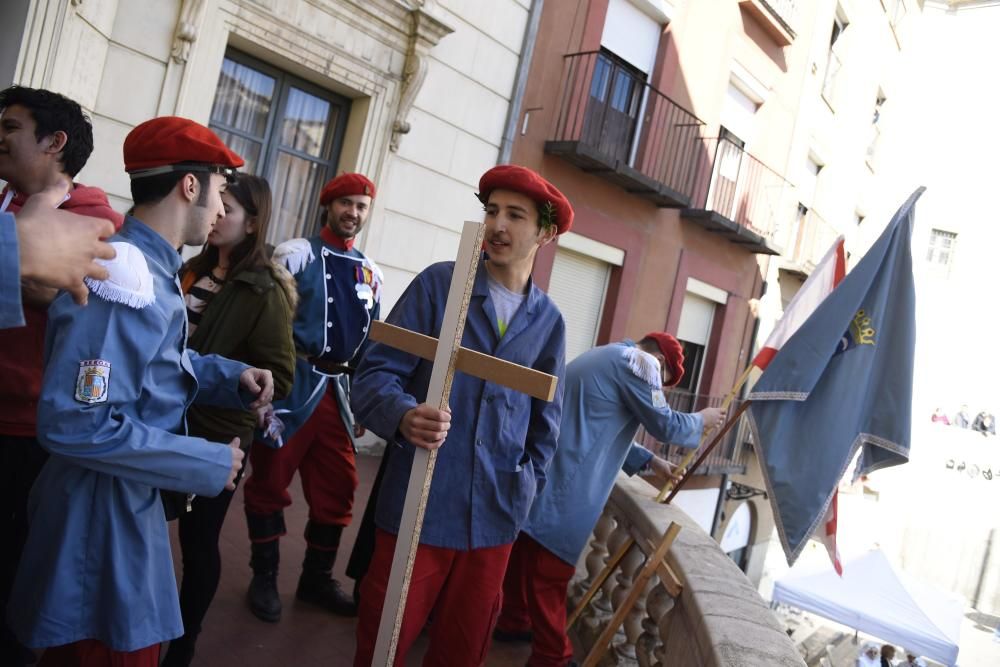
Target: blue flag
[843,381]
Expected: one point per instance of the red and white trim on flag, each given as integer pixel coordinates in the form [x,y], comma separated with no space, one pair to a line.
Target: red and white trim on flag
[829,536]
[825,277]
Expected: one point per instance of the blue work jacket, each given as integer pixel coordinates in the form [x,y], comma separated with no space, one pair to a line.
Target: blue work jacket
[118,380]
[494,460]
[339,295]
[610,391]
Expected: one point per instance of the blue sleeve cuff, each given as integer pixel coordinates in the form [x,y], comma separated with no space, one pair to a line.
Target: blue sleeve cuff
[637,458]
[11,309]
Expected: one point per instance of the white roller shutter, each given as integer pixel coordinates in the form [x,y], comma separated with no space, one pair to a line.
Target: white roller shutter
[631,34]
[578,285]
[738,111]
[696,319]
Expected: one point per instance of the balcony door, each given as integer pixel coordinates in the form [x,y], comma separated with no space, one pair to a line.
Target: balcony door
[616,91]
[736,130]
[725,190]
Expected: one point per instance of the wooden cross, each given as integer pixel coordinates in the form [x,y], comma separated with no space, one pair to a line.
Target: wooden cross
[449,356]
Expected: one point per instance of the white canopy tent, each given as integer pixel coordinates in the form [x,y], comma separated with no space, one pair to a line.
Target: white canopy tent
[874,598]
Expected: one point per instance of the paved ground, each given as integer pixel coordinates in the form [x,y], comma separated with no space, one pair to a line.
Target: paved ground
[305,637]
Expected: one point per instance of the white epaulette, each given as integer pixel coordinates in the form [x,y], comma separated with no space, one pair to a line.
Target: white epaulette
[377,278]
[295,254]
[644,365]
[129,281]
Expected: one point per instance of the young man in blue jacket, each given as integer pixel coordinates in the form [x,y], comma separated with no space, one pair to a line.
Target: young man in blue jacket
[499,441]
[96,583]
[610,391]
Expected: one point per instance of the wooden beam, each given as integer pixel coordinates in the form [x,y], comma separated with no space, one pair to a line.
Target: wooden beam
[525,380]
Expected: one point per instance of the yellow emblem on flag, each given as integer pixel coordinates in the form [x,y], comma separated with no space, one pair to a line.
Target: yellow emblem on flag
[861,329]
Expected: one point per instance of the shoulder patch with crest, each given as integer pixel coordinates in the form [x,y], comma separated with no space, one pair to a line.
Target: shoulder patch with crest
[644,366]
[659,400]
[295,254]
[92,381]
[129,281]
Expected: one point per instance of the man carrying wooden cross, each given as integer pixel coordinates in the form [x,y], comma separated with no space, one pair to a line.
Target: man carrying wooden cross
[494,460]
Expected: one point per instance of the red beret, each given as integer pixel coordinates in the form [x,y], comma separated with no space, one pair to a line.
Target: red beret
[529,183]
[346,185]
[154,146]
[673,352]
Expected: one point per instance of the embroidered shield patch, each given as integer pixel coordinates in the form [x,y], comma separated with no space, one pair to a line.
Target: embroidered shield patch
[92,381]
[659,400]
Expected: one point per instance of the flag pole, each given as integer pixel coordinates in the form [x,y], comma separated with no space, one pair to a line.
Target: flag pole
[708,450]
[615,558]
[669,486]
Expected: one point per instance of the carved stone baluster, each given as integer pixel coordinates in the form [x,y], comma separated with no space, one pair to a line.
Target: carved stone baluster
[621,651]
[649,646]
[615,540]
[598,553]
[632,627]
[592,621]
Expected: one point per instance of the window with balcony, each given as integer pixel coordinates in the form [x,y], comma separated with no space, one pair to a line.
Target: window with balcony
[287,130]
[895,11]
[777,17]
[941,249]
[833,63]
[875,131]
[808,180]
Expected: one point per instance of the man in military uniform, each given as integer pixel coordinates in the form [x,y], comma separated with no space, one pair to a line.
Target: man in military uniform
[339,292]
[96,583]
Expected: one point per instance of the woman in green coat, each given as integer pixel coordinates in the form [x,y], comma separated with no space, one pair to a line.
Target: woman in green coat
[240,305]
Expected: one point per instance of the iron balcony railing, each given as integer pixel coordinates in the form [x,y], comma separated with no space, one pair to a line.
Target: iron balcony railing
[625,123]
[741,188]
[784,11]
[730,456]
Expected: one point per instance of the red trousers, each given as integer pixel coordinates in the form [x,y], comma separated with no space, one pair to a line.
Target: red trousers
[463,588]
[92,653]
[323,454]
[534,599]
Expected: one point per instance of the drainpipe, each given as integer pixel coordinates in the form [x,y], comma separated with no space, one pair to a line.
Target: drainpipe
[520,82]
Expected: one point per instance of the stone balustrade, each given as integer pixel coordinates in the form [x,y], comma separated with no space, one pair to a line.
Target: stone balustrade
[718,619]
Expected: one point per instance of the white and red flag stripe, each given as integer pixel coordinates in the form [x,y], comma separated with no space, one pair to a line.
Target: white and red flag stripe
[828,273]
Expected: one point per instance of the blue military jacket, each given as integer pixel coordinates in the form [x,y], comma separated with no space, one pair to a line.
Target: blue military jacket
[494,459]
[339,294]
[117,382]
[610,391]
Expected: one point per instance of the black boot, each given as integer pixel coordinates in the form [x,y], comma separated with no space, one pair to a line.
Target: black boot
[316,585]
[181,652]
[265,531]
